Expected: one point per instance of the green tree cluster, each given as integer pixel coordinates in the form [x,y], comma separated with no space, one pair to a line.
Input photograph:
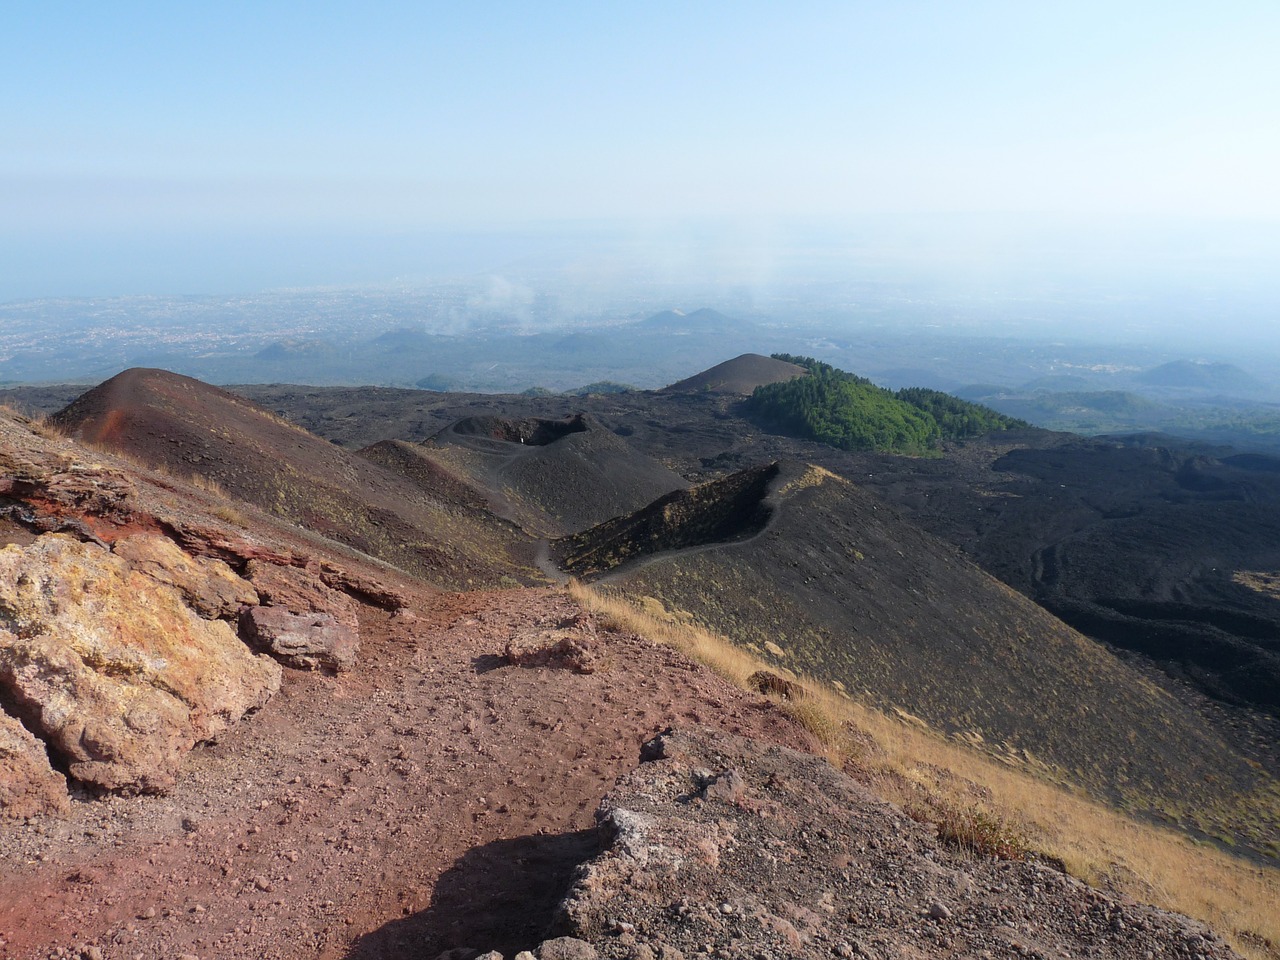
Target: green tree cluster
[852,413]
[957,419]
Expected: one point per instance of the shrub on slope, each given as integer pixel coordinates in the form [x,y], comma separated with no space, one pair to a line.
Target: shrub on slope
[852,413]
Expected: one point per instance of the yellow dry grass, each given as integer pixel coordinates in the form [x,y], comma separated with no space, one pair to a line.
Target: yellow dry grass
[1264,582]
[923,771]
[38,423]
[209,485]
[812,477]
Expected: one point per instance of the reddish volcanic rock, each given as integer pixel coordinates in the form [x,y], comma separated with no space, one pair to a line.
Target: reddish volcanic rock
[308,641]
[209,586]
[112,667]
[299,590]
[304,622]
[28,785]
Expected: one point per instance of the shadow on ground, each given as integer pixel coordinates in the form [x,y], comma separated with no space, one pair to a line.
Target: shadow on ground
[499,896]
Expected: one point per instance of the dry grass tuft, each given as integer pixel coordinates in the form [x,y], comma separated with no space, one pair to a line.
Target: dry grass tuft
[39,423]
[648,618]
[973,829]
[225,511]
[990,807]
[209,485]
[46,428]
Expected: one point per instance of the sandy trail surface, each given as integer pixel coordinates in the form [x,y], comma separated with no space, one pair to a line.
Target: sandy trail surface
[436,797]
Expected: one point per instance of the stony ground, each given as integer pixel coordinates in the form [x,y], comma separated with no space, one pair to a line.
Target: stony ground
[728,847]
[436,797]
[442,793]
[444,798]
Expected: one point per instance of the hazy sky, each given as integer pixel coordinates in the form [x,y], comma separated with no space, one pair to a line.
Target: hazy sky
[132,130]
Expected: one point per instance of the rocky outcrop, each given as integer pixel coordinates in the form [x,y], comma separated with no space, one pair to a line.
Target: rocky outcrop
[210,587]
[109,664]
[567,649]
[28,785]
[724,846]
[302,621]
[299,589]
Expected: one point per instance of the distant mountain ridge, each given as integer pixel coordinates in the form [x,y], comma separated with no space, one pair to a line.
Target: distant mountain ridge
[704,320]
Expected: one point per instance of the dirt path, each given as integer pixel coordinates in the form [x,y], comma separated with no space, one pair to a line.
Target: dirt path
[437,797]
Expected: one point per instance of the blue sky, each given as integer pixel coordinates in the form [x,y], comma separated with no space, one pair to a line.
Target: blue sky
[169,123]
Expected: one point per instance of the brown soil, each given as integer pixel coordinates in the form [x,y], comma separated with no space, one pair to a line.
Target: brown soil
[437,786]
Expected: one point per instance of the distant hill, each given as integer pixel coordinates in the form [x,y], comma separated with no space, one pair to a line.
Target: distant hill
[1059,382]
[191,428]
[741,375]
[436,382]
[1199,375]
[850,412]
[551,476]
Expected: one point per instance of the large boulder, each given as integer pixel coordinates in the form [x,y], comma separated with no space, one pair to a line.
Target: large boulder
[28,785]
[302,621]
[112,667]
[306,641]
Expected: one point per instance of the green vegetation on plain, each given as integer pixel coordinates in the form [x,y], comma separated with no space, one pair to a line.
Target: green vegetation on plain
[1241,423]
[599,387]
[843,410]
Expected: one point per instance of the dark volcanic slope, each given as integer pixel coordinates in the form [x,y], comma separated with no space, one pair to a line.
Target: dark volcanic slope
[833,583]
[191,428]
[1098,504]
[552,476]
[1164,576]
[740,375]
[722,511]
[1153,548]
[412,462]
